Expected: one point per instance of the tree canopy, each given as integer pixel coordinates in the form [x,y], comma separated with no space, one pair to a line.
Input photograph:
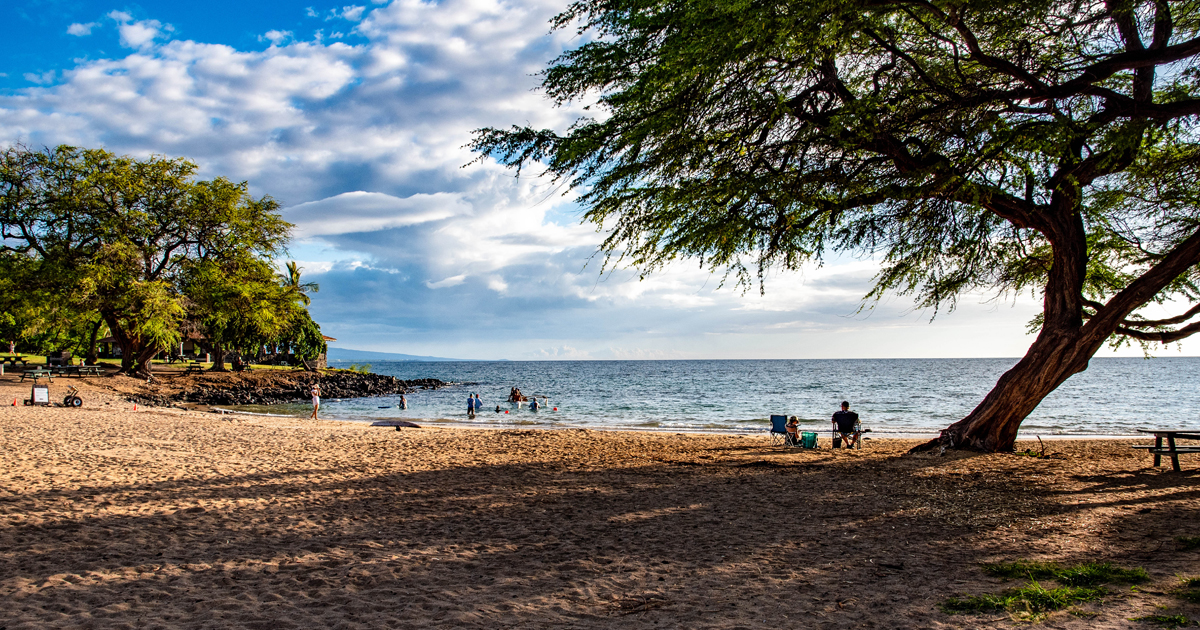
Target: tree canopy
[92,232]
[1046,146]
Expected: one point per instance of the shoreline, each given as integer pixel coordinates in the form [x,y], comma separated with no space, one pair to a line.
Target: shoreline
[873,435]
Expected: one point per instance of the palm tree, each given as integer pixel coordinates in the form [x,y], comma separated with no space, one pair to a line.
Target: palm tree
[292,282]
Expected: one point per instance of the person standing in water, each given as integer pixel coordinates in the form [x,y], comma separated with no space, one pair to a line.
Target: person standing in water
[403,402]
[470,406]
[316,398]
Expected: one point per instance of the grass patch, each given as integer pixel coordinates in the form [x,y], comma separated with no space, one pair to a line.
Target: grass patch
[1165,621]
[1189,590]
[1022,569]
[1033,599]
[1086,574]
[1188,542]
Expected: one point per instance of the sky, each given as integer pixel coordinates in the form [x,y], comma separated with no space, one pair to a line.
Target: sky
[354,117]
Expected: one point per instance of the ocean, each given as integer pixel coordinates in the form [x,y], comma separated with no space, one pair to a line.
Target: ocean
[900,397]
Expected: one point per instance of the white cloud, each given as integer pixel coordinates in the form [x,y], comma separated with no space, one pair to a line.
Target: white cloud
[139,34]
[44,78]
[563,353]
[275,37]
[81,30]
[368,212]
[448,282]
[352,13]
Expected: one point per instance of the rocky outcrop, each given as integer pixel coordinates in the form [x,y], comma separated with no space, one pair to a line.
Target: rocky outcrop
[268,387]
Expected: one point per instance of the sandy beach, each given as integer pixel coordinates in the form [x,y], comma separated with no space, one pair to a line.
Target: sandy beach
[114,518]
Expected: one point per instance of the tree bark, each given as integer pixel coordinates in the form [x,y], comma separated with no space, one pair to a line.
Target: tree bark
[1065,345]
[91,351]
[218,358]
[135,354]
[992,425]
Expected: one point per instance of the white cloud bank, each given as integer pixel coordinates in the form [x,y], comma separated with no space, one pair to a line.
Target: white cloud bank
[363,146]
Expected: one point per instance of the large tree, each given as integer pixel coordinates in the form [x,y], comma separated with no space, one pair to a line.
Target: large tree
[240,304]
[1045,145]
[113,235]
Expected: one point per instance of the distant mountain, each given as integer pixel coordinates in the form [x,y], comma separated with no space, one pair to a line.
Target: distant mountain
[346,354]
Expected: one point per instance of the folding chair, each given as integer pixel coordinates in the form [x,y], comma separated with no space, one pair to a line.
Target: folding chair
[779,432]
[808,439]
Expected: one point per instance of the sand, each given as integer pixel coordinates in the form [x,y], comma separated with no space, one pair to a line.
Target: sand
[111,518]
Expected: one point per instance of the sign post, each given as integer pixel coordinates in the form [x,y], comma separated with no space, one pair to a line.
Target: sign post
[40,395]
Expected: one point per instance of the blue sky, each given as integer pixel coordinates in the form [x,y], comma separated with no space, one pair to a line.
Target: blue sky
[354,117]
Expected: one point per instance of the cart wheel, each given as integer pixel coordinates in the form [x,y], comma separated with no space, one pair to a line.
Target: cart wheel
[75,402]
[67,401]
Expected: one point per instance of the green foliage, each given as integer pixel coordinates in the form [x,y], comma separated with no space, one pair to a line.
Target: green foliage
[1022,569]
[1032,599]
[364,368]
[1086,574]
[1189,590]
[1187,543]
[1166,621]
[985,146]
[89,232]
[301,289]
[305,336]
[237,302]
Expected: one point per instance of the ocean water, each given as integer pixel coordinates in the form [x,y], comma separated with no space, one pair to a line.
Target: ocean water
[1115,396]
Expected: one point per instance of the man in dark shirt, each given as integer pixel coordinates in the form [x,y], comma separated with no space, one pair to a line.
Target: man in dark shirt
[844,422]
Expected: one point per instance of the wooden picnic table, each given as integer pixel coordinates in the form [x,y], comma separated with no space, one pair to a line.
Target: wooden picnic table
[194,368]
[1172,450]
[78,370]
[14,359]
[37,373]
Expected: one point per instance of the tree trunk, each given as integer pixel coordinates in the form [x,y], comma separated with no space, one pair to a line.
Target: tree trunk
[135,353]
[992,425]
[91,351]
[218,358]
[1065,345]
[143,362]
[1062,348]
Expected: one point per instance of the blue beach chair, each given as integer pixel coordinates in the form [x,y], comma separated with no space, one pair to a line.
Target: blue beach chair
[779,434]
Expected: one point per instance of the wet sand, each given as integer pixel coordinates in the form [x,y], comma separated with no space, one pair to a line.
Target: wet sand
[111,518]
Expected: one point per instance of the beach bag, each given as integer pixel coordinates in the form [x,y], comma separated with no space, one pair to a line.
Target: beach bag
[808,439]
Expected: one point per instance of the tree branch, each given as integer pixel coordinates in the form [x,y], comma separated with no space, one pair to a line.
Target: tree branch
[1111,316]
[1165,336]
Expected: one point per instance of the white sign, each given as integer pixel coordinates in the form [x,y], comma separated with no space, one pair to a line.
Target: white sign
[41,395]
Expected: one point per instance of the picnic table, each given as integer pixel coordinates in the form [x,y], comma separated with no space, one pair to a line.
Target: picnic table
[14,359]
[1172,450]
[89,370]
[37,373]
[194,368]
[78,370]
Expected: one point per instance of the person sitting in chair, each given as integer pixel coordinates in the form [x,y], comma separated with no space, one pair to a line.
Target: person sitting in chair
[793,427]
[844,422]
